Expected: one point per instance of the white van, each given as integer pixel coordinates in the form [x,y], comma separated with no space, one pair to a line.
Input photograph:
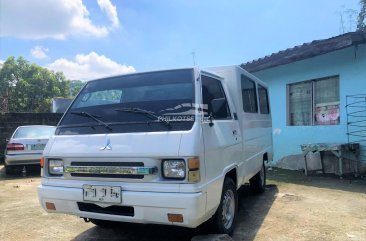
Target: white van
[166,147]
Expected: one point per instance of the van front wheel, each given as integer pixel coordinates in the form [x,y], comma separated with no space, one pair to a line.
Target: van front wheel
[224,219]
[258,182]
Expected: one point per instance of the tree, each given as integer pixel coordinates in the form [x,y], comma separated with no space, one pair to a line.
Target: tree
[28,87]
[361,26]
[75,86]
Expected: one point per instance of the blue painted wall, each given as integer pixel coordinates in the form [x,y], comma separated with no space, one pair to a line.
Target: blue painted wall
[349,64]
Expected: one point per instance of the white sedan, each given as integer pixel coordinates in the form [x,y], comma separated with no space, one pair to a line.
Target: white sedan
[25,146]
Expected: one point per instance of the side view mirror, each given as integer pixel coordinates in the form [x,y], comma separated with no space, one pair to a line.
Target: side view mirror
[219,108]
[7,140]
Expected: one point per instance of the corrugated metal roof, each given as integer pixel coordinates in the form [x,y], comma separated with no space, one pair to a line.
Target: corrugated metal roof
[305,51]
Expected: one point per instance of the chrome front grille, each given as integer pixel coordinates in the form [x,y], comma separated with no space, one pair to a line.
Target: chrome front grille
[125,164]
[134,170]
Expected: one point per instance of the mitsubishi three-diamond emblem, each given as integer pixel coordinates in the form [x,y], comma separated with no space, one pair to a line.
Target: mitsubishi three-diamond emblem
[107,146]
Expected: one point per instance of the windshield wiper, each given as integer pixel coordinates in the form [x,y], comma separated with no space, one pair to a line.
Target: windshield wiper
[94,117]
[147,113]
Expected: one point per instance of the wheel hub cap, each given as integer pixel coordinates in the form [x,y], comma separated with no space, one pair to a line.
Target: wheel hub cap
[228,210]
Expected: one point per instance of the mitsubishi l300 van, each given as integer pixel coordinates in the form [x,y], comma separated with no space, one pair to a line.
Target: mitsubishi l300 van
[165,147]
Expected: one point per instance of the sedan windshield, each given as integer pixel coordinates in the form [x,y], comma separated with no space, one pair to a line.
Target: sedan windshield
[133,103]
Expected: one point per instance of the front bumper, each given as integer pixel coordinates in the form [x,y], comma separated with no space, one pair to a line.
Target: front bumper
[149,207]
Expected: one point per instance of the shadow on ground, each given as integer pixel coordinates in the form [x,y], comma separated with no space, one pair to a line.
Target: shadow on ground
[330,181]
[30,171]
[252,211]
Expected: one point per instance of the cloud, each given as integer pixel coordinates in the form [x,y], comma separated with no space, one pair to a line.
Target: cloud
[39,52]
[111,11]
[58,19]
[89,66]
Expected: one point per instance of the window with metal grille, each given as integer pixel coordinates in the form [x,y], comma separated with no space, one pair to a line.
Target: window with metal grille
[314,102]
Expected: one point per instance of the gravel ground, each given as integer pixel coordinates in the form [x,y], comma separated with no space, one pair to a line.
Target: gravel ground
[294,207]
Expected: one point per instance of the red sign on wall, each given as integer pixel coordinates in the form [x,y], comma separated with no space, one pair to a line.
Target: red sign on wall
[327,115]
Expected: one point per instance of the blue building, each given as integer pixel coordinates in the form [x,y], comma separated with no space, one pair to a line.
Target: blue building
[309,85]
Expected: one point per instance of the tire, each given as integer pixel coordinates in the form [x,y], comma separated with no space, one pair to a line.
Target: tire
[103,223]
[258,182]
[225,216]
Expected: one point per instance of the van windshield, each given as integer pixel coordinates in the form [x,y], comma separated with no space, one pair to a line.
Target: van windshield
[145,102]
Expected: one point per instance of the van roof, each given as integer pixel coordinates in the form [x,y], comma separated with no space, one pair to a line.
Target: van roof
[143,72]
[206,70]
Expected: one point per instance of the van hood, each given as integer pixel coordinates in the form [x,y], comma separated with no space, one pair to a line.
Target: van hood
[152,144]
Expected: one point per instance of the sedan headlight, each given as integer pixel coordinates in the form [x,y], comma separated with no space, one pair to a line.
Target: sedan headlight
[56,167]
[174,169]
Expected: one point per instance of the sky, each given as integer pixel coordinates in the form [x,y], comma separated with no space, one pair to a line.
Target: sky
[88,39]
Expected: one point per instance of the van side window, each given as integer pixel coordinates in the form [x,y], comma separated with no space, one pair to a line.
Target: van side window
[214,100]
[263,99]
[249,95]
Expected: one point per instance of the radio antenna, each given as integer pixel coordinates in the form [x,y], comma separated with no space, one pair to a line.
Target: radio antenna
[194,58]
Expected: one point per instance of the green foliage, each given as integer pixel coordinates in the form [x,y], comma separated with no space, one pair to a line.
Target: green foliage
[75,86]
[361,26]
[29,87]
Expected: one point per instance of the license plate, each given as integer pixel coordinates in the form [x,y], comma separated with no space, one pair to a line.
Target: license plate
[37,147]
[105,194]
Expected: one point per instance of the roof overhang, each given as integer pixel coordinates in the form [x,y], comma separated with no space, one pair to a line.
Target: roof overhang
[306,51]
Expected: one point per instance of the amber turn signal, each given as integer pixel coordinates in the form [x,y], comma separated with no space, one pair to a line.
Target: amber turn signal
[50,206]
[175,218]
[193,164]
[194,169]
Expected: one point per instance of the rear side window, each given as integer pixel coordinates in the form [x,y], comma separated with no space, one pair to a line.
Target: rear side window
[34,132]
[212,91]
[249,95]
[263,100]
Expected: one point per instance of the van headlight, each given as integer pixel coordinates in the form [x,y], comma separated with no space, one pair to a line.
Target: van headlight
[56,167]
[174,169]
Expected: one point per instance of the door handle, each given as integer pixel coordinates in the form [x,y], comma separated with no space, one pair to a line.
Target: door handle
[235,135]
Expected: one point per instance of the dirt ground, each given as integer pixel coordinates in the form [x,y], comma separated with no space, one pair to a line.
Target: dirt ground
[294,207]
